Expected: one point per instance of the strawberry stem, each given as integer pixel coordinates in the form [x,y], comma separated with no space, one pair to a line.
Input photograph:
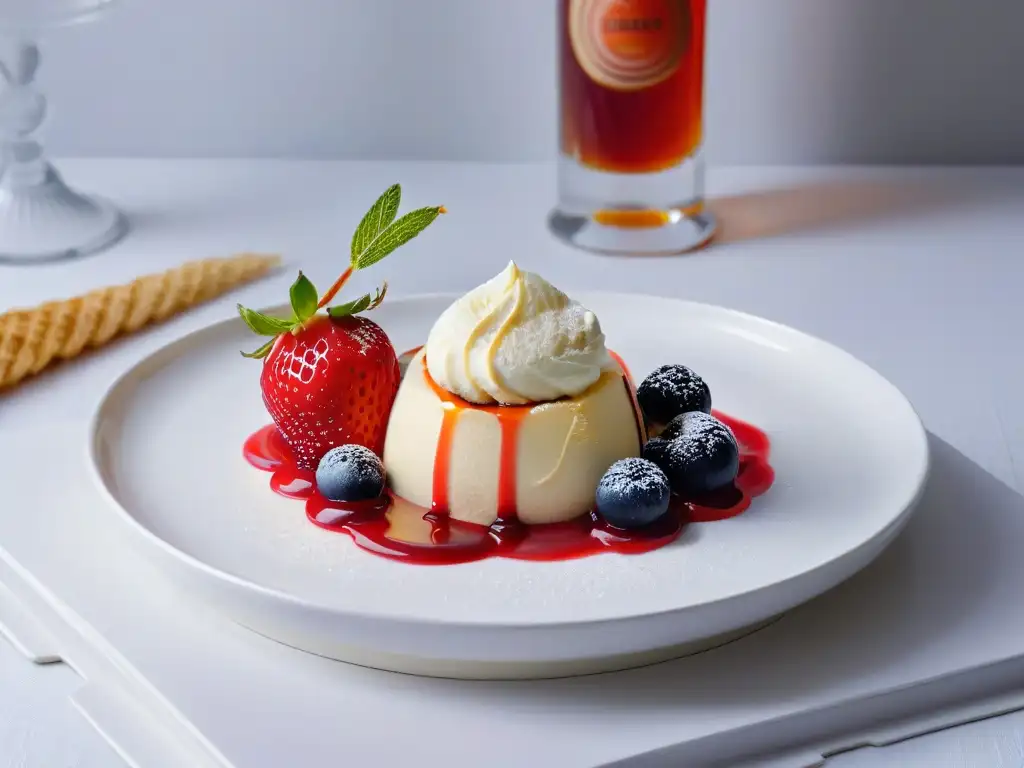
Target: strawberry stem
[333,290]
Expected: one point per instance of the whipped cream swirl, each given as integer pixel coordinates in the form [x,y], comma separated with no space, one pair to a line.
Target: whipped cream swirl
[514,340]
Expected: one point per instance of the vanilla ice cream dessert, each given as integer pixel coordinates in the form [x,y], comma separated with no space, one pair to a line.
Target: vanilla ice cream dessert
[513,410]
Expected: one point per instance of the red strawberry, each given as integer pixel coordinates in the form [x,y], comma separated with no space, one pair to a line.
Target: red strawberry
[331,379]
[333,383]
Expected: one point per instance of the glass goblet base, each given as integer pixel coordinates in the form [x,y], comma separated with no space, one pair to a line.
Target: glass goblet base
[51,221]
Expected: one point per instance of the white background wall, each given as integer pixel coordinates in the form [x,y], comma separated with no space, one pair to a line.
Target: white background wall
[937,81]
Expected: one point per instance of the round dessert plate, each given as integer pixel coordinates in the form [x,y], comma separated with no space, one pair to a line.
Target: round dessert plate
[849,453]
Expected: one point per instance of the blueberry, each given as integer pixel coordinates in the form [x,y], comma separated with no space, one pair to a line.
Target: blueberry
[677,425]
[697,453]
[671,390]
[656,451]
[632,493]
[350,473]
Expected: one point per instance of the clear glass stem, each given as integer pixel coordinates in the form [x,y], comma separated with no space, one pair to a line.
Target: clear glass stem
[22,111]
[41,217]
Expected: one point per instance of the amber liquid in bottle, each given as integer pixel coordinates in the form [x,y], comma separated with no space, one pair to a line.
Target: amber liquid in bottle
[639,109]
[631,84]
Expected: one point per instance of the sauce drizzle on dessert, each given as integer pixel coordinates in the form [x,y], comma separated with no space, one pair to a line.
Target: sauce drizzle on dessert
[395,528]
[442,461]
[627,380]
[509,417]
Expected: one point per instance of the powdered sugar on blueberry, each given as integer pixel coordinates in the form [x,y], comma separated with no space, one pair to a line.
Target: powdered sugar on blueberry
[697,452]
[699,431]
[671,390]
[350,473]
[633,492]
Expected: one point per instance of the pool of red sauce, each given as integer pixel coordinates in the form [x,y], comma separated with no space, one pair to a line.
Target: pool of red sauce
[395,528]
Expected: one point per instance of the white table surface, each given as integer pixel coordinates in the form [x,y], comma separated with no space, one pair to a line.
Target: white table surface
[40,729]
[918,272]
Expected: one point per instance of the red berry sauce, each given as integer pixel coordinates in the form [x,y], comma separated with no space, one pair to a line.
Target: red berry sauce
[393,527]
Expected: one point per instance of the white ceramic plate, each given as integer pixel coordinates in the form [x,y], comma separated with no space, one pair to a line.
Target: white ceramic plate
[849,452]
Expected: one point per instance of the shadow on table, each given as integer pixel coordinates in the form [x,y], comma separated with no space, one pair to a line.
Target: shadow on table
[822,206]
[897,90]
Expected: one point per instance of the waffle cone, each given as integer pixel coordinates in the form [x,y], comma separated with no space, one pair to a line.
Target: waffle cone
[32,339]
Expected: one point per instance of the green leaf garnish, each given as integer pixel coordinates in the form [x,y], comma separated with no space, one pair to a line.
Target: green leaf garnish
[377,235]
[350,307]
[396,235]
[264,325]
[304,298]
[262,352]
[376,220]
[362,304]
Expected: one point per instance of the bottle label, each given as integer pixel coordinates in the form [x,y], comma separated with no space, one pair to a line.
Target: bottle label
[627,45]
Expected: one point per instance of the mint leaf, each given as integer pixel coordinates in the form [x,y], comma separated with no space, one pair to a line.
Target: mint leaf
[262,352]
[376,220]
[362,304]
[304,298]
[398,234]
[264,325]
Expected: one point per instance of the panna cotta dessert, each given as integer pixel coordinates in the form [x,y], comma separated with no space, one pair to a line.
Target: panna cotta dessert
[512,432]
[513,410]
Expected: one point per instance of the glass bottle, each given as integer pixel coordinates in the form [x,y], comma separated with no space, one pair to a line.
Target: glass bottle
[631,93]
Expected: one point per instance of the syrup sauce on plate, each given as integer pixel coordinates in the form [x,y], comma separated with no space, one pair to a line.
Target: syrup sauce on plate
[395,528]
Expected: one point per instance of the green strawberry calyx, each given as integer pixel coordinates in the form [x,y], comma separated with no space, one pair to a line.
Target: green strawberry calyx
[380,233]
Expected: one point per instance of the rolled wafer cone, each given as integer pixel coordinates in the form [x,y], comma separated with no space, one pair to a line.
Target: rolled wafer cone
[32,339]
